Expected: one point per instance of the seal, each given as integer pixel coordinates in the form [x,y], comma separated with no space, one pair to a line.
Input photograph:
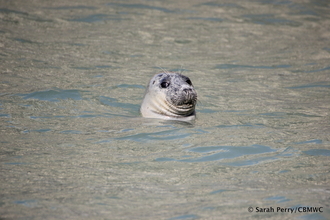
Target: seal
[169,95]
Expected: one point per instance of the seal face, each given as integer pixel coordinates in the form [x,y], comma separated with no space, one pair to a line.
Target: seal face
[169,96]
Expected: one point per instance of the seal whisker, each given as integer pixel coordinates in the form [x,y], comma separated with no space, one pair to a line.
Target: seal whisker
[164,70]
[181,70]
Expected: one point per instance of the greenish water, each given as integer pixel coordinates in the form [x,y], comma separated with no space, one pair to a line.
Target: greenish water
[74,146]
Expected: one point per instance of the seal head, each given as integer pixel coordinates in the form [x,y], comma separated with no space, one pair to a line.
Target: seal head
[169,96]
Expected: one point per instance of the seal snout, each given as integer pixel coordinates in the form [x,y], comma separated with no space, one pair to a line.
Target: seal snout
[186,96]
[190,96]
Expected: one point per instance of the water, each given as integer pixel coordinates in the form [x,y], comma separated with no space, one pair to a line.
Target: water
[74,146]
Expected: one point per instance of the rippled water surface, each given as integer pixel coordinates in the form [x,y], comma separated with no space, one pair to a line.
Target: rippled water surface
[74,146]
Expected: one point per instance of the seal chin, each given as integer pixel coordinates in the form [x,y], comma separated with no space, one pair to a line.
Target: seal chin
[179,111]
[169,96]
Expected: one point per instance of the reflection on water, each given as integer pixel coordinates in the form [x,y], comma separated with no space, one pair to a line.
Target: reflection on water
[141,6]
[53,95]
[267,19]
[74,146]
[230,66]
[223,152]
[96,18]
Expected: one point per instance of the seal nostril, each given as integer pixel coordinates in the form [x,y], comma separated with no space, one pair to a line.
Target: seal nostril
[187,90]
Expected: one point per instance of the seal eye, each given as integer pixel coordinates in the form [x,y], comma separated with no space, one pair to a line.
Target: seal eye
[164,84]
[189,82]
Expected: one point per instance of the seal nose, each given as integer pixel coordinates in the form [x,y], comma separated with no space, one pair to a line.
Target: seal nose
[187,90]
